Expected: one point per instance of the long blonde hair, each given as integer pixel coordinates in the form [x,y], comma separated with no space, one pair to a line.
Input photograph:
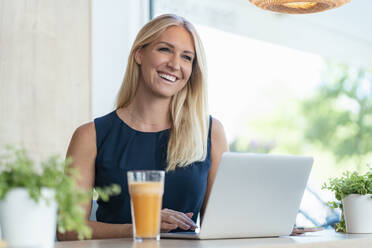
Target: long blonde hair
[189,114]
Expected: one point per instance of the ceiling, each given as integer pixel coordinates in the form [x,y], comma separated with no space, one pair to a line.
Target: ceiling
[354,18]
[343,34]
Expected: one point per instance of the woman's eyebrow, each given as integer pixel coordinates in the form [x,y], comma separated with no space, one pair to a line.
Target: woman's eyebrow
[172,46]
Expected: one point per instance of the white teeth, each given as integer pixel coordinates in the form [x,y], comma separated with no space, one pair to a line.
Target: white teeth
[168,77]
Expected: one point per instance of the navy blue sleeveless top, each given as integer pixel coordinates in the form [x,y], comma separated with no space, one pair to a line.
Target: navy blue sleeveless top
[121,148]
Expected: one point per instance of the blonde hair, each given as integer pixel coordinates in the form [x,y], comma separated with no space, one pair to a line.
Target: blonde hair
[189,114]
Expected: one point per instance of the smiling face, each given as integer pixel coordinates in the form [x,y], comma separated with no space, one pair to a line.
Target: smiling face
[166,63]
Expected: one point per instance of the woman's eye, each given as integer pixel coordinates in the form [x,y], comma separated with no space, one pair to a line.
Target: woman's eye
[187,57]
[164,49]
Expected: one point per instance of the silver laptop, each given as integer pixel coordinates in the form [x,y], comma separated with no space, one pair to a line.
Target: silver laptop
[254,195]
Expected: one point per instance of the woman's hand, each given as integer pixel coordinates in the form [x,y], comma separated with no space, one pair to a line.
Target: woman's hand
[171,220]
[301,230]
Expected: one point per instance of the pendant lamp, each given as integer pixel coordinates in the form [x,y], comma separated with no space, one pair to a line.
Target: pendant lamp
[298,6]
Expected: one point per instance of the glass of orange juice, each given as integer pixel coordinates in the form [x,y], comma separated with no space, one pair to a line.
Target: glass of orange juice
[146,192]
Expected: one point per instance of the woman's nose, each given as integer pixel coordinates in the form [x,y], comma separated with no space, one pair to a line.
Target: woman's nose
[174,63]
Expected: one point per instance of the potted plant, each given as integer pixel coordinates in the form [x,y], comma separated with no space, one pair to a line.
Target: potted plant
[30,195]
[354,198]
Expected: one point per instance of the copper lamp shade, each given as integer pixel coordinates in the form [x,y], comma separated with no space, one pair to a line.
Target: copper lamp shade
[298,6]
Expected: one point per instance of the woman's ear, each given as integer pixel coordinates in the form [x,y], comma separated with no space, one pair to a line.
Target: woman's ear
[138,56]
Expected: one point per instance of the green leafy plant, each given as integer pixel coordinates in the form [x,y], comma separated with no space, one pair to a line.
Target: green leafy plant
[18,170]
[349,183]
[338,116]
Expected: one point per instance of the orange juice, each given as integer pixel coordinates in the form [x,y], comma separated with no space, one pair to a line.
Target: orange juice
[146,199]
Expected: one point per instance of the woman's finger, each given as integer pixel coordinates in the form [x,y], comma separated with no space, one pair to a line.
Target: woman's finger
[166,227]
[183,218]
[179,222]
[170,218]
[301,230]
[190,214]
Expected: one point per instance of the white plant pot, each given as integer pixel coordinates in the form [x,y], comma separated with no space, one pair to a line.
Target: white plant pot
[358,213]
[25,223]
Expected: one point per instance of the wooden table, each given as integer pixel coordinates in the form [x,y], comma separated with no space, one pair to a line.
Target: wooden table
[322,239]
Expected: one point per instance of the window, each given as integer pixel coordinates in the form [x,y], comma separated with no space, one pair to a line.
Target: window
[266,85]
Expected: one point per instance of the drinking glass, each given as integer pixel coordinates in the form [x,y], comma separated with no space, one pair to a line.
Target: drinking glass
[146,192]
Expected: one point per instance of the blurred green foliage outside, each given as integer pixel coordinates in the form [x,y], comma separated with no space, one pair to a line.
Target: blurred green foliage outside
[333,124]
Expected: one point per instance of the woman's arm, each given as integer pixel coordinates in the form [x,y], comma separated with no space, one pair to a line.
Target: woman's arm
[218,147]
[83,151]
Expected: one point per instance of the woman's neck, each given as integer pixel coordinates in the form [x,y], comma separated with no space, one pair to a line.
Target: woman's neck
[147,114]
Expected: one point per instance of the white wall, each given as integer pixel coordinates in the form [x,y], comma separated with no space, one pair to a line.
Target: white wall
[44,73]
[115,24]
[61,63]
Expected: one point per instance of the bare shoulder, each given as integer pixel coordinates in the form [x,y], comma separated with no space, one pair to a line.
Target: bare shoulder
[218,132]
[86,131]
[83,141]
[218,136]
[216,125]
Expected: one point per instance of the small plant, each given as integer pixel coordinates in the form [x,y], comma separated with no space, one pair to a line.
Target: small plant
[18,170]
[349,183]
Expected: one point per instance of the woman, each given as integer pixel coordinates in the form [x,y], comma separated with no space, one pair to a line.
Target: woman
[161,122]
